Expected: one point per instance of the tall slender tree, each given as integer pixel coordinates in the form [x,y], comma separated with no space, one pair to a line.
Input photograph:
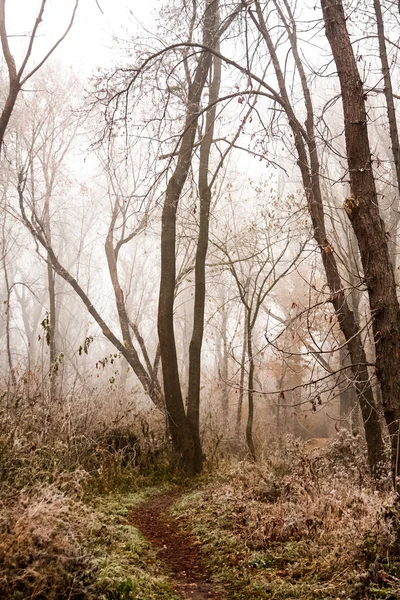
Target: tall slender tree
[362,208]
[184,428]
[309,165]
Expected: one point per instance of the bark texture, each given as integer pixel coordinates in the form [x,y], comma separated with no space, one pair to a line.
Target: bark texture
[183,428]
[308,163]
[393,129]
[363,212]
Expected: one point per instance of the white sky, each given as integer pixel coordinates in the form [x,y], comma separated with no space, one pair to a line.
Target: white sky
[89,43]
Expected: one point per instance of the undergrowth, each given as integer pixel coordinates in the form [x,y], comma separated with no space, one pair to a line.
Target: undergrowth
[300,526]
[65,491]
[55,546]
[304,524]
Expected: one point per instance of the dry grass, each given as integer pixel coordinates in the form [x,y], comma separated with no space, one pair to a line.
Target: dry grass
[305,524]
[55,546]
[54,542]
[40,441]
[299,526]
[42,542]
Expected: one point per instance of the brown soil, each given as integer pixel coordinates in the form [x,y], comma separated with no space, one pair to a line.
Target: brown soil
[180,552]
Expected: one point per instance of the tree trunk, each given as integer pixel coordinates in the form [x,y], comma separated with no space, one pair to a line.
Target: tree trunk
[241,380]
[310,169]
[224,370]
[11,379]
[363,212]
[281,411]
[193,408]
[348,399]
[183,428]
[52,316]
[393,129]
[250,391]
[8,109]
[52,331]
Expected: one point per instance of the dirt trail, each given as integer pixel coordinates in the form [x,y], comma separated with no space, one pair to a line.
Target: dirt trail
[179,552]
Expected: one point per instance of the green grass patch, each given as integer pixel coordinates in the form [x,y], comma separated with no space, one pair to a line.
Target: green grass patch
[292,570]
[127,565]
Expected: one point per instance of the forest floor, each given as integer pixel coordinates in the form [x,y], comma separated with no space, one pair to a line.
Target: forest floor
[239,539]
[292,527]
[249,534]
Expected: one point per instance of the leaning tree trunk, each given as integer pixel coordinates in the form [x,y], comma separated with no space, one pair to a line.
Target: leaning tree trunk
[308,162]
[363,212]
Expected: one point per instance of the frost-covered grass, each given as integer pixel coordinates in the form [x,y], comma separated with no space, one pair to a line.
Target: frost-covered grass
[65,487]
[299,527]
[55,545]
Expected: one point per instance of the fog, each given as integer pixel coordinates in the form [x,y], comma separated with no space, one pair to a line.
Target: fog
[162,252]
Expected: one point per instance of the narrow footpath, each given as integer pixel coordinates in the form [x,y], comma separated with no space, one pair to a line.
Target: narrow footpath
[179,552]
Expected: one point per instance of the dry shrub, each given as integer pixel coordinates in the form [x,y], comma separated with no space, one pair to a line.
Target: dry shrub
[305,523]
[299,496]
[122,456]
[42,536]
[40,440]
[51,457]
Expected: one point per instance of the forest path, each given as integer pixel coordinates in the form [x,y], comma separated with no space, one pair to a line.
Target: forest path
[180,552]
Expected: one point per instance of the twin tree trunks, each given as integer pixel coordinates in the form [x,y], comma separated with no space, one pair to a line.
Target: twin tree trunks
[184,425]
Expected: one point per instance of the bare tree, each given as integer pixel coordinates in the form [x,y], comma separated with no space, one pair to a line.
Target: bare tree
[18,76]
[256,271]
[45,153]
[362,208]
[204,186]
[183,431]
[308,162]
